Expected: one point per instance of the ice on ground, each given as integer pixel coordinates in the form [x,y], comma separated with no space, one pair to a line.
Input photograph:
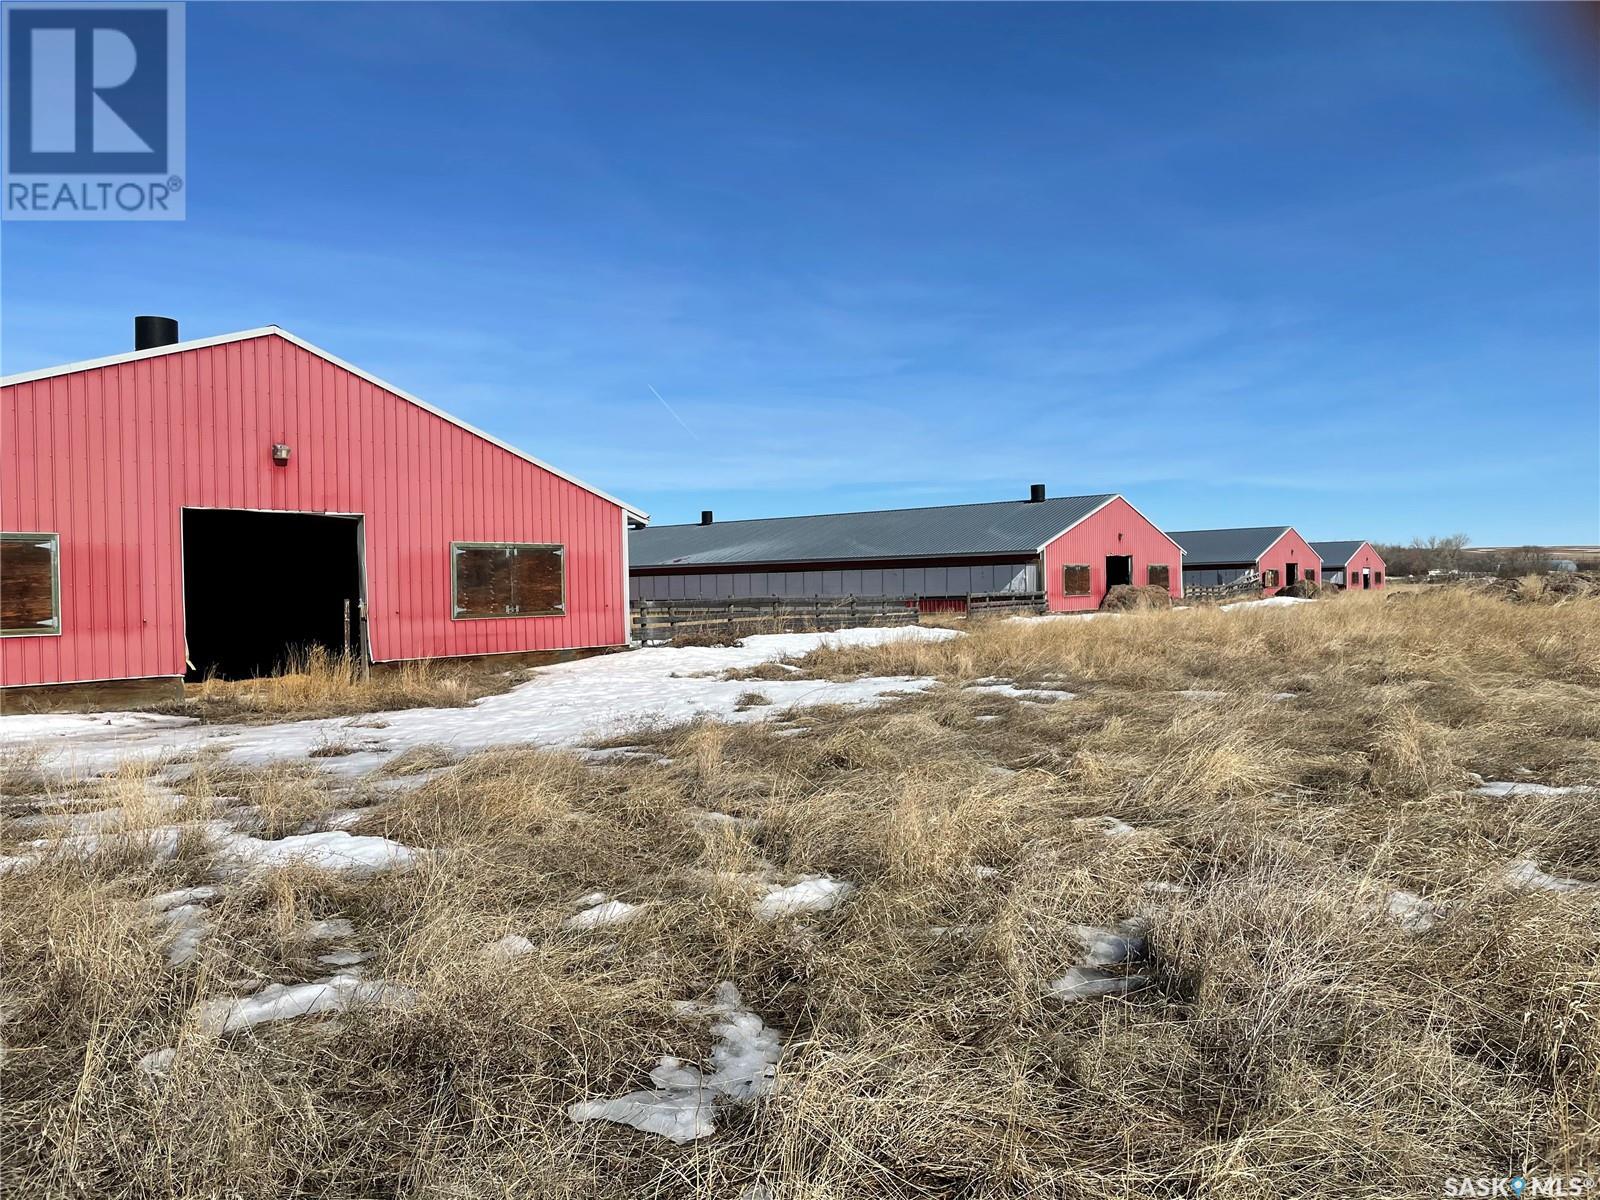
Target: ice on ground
[1268,602]
[158,1062]
[1105,948]
[190,895]
[330,850]
[1284,696]
[567,704]
[1112,826]
[1082,983]
[328,929]
[513,945]
[343,958]
[705,819]
[333,850]
[817,893]
[681,1103]
[1527,875]
[601,910]
[1006,687]
[1415,914]
[283,1002]
[188,925]
[1504,788]
[99,821]
[1202,694]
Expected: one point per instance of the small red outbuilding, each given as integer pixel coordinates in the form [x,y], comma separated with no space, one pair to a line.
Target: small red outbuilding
[208,506]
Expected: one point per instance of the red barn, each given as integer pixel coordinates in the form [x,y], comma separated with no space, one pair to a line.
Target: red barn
[1276,554]
[1069,548]
[1354,565]
[208,506]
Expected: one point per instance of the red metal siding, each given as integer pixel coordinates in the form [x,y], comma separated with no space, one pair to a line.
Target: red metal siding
[1118,528]
[109,457]
[1291,547]
[1367,558]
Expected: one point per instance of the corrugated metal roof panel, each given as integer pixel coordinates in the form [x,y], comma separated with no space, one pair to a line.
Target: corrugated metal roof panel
[1335,554]
[1005,527]
[1202,547]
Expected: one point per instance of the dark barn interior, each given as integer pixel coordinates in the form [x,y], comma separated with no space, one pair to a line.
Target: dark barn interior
[260,587]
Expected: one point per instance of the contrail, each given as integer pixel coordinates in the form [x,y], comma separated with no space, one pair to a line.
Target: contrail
[672,410]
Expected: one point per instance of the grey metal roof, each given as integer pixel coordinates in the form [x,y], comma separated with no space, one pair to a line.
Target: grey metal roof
[954,530]
[1336,554]
[1203,547]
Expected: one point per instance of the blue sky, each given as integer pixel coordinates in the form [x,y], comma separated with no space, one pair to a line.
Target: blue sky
[1336,266]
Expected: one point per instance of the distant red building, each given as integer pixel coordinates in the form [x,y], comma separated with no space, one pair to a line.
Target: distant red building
[1275,553]
[211,505]
[1354,565]
[1069,548]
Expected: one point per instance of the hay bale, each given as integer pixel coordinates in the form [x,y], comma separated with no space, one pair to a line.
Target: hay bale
[1127,598]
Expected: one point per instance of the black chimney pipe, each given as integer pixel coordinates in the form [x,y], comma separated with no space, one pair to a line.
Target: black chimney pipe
[1036,494]
[150,332]
[705,516]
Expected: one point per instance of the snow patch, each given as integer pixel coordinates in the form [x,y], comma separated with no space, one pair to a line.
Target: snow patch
[283,1002]
[1526,875]
[1414,914]
[1268,602]
[681,1104]
[1105,948]
[1502,788]
[601,910]
[816,893]
[513,945]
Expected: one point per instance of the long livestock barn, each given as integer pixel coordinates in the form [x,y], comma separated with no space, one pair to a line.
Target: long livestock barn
[209,507]
[1275,555]
[1070,549]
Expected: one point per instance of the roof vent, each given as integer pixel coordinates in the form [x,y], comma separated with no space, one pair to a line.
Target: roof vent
[1036,494]
[705,516]
[152,332]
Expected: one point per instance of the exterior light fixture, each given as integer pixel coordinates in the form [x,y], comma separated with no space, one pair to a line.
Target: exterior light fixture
[280,454]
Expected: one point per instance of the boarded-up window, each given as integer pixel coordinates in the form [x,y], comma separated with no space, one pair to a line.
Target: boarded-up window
[1159,575]
[508,579]
[1377,579]
[1075,580]
[30,594]
[1269,577]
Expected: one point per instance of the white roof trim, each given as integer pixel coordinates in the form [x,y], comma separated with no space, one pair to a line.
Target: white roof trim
[1287,530]
[245,335]
[1114,496]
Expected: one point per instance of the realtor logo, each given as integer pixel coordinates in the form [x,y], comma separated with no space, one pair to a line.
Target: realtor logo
[93,112]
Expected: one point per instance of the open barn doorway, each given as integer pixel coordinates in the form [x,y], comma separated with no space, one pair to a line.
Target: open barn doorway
[1119,569]
[261,588]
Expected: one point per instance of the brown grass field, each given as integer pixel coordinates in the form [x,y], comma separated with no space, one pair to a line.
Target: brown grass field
[1293,1038]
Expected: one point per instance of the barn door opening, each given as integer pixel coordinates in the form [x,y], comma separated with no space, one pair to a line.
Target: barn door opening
[261,588]
[1119,569]
[1291,574]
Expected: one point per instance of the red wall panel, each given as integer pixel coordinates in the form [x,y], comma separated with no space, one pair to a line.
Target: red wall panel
[1118,528]
[1290,548]
[1366,558]
[108,458]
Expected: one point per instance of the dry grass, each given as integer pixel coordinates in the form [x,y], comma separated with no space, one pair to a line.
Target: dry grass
[321,684]
[1295,1040]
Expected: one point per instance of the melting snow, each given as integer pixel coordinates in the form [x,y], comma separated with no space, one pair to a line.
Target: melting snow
[568,704]
[680,1105]
[815,894]
[513,945]
[1415,914]
[331,850]
[1525,874]
[599,909]
[1105,948]
[1268,602]
[1502,788]
[282,1002]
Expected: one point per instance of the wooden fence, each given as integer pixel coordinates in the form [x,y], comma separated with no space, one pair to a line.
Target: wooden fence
[656,621]
[1245,585]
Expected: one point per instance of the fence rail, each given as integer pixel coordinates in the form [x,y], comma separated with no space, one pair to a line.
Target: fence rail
[1242,586]
[656,621]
